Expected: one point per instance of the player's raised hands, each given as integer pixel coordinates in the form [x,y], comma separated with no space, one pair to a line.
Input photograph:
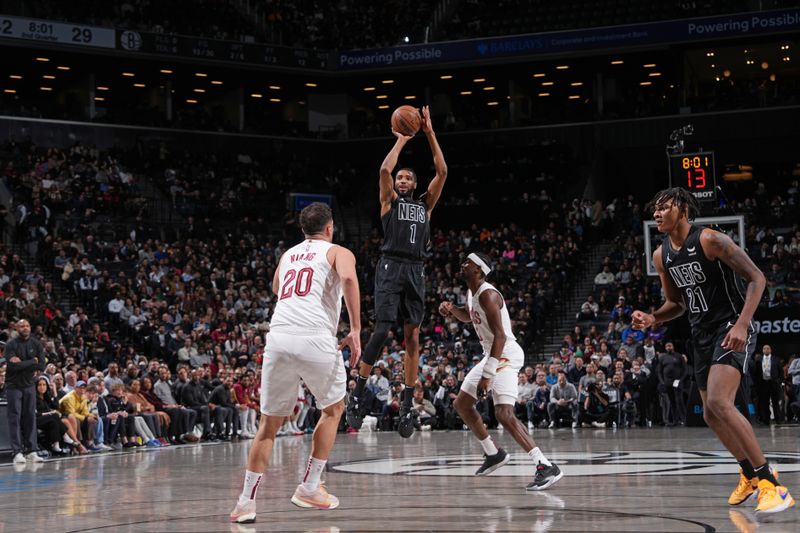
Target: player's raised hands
[426,124]
[401,137]
[642,320]
[353,341]
[445,308]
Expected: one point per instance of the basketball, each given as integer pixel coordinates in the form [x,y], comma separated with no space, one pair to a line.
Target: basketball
[406,120]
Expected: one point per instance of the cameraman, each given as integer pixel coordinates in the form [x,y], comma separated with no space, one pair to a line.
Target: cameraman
[595,406]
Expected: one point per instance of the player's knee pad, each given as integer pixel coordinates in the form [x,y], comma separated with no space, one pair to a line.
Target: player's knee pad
[375,343]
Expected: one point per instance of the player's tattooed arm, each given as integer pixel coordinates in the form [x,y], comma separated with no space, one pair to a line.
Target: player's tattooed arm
[717,245]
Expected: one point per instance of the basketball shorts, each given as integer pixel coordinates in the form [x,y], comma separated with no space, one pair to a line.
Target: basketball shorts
[504,385]
[289,358]
[399,291]
[708,350]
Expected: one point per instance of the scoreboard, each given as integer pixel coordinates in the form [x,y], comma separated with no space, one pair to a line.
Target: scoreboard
[694,172]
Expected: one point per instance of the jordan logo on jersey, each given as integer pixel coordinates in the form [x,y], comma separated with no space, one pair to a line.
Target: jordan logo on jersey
[411,212]
[688,274]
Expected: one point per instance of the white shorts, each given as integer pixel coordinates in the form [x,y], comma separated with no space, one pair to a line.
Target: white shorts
[288,358]
[504,384]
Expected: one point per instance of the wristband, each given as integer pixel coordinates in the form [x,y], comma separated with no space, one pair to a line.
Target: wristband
[490,367]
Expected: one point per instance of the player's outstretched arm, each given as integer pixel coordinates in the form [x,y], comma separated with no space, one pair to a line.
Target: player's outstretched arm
[717,245]
[672,307]
[387,192]
[448,309]
[437,183]
[344,263]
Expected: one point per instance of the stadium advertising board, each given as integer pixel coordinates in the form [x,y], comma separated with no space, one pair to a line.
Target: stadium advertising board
[780,328]
[672,31]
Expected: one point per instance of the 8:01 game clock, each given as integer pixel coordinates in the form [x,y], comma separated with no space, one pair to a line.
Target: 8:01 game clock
[694,172]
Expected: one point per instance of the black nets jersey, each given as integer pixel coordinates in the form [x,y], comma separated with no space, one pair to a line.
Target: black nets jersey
[712,292]
[406,230]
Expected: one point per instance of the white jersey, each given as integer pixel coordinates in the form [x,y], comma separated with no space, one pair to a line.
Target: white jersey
[481,324]
[310,292]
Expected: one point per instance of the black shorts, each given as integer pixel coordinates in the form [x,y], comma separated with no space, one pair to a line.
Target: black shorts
[708,351]
[399,288]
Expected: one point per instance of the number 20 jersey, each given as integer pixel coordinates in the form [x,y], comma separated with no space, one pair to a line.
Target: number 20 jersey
[712,292]
[310,292]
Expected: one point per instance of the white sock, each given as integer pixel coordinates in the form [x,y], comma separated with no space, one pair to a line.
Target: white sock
[538,457]
[313,473]
[488,446]
[251,482]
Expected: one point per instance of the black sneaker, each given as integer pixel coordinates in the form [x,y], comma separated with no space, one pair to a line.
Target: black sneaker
[493,462]
[407,422]
[545,477]
[353,415]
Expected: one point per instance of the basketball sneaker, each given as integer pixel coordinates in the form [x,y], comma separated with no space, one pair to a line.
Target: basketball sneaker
[353,415]
[317,499]
[772,498]
[493,462]
[545,477]
[746,488]
[244,513]
[407,422]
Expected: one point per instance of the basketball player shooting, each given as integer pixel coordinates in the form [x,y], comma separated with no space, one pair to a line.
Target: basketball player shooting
[310,281]
[497,372]
[698,268]
[399,276]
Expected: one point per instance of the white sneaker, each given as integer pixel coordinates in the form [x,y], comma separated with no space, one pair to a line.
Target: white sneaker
[574,425]
[552,424]
[530,426]
[19,459]
[68,440]
[599,424]
[33,457]
[105,447]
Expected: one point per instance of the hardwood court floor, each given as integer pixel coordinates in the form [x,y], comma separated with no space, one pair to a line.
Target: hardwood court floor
[657,479]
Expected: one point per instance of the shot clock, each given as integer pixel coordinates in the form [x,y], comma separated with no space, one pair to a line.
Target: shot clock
[694,172]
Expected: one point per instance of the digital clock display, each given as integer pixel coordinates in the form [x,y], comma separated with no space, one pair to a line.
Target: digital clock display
[694,172]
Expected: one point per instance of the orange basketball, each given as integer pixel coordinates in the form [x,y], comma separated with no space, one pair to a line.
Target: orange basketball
[406,120]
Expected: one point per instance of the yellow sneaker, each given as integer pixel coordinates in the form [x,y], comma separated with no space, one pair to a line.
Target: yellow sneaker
[317,499]
[744,490]
[773,498]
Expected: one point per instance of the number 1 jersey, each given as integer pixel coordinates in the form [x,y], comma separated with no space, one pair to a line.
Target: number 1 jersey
[406,230]
[310,292]
[712,292]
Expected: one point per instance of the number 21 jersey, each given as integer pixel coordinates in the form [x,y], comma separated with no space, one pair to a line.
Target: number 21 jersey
[712,292]
[310,292]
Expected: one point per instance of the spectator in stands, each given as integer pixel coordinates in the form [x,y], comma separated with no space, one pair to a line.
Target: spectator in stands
[195,396]
[48,419]
[76,404]
[182,418]
[445,411]
[113,377]
[552,375]
[622,311]
[576,370]
[24,358]
[767,373]
[221,402]
[604,278]
[563,401]
[595,409]
[525,394]
[157,421]
[247,405]
[538,410]
[425,409]
[793,372]
[378,385]
[671,372]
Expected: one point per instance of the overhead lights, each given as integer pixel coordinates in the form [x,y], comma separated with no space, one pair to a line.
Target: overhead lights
[649,65]
[275,87]
[547,83]
[654,74]
[446,77]
[198,90]
[465,93]
[43,59]
[576,84]
[717,78]
[409,97]
[382,97]
[750,62]
[165,71]
[62,67]
[573,96]
[786,58]
[99,99]
[128,74]
[216,82]
[191,101]
[309,84]
[764,65]
[489,88]
[711,54]
[45,89]
[48,77]
[492,103]
[645,83]
[544,94]
[10,91]
[784,47]
[387,82]
[101,88]
[15,77]
[772,77]
[256,95]
[368,89]
[384,106]
[479,80]
[539,75]
[275,100]
[201,74]
[726,73]
[562,67]
[617,62]
[713,65]
[139,85]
